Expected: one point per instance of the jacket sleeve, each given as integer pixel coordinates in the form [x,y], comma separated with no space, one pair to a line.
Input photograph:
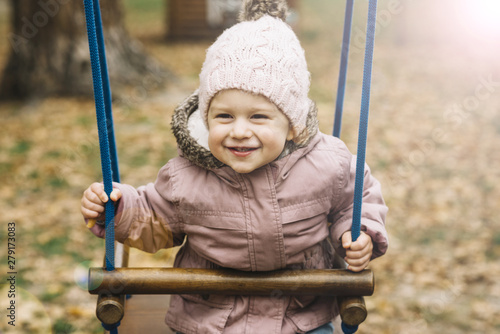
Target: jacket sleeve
[373,215]
[146,217]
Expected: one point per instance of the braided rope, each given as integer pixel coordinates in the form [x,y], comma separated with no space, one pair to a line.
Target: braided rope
[344,58]
[363,131]
[363,121]
[91,9]
[349,329]
[107,93]
[112,329]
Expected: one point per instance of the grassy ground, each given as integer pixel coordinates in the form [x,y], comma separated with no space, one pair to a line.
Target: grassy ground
[433,143]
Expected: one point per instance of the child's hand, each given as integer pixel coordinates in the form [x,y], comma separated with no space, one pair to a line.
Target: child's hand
[358,253]
[93,204]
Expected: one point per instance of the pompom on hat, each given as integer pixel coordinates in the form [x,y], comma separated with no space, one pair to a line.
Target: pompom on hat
[259,55]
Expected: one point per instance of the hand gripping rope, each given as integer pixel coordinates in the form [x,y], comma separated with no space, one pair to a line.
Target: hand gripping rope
[102,96]
[364,113]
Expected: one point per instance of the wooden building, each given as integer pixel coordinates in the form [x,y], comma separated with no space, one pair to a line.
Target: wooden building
[204,19]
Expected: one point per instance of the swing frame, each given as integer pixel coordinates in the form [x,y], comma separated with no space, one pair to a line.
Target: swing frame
[115,280]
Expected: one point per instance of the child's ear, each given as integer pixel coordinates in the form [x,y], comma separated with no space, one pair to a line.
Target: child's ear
[301,137]
[290,134]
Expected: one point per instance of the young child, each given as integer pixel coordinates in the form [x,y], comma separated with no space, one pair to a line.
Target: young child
[261,190]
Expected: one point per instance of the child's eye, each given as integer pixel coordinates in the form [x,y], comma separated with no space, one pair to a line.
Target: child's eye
[223,115]
[260,116]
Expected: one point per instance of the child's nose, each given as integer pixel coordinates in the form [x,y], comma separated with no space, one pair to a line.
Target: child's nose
[240,129]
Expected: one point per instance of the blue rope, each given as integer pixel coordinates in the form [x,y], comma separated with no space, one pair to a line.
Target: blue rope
[107,93]
[363,131]
[344,57]
[97,73]
[348,329]
[107,143]
[363,121]
[112,329]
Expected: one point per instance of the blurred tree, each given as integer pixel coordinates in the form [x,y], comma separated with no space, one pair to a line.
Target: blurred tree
[50,55]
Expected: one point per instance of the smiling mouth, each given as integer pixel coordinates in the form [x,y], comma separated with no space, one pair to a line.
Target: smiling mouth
[242,151]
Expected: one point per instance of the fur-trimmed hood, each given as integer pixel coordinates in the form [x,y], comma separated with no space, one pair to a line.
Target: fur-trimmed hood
[192,135]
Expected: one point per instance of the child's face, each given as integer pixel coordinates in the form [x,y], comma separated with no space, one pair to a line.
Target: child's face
[246,131]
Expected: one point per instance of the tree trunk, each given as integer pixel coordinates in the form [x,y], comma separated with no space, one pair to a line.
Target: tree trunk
[50,54]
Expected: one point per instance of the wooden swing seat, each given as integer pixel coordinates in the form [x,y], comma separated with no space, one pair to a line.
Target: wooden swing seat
[150,287]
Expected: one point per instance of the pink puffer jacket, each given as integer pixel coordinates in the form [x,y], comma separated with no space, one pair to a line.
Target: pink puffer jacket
[281,215]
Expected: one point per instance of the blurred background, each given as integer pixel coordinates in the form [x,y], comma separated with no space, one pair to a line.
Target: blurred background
[434,143]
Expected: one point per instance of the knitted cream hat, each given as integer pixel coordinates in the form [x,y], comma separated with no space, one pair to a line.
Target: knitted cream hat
[260,55]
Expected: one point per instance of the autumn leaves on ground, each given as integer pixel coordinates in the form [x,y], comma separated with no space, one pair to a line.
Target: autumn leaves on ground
[433,143]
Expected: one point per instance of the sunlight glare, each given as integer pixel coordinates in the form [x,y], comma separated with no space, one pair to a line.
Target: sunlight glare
[485,14]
